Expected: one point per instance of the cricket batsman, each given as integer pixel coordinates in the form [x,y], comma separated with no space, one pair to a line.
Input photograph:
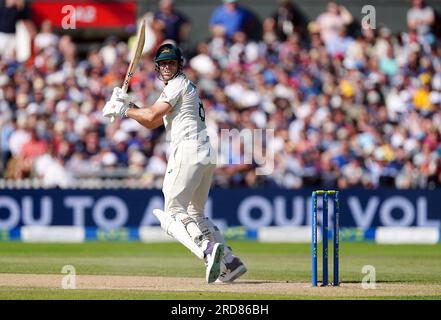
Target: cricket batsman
[190,165]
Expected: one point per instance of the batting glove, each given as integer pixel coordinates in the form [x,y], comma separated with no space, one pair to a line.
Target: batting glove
[115,108]
[117,105]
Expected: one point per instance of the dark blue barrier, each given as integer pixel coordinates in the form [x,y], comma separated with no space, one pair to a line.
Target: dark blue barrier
[251,208]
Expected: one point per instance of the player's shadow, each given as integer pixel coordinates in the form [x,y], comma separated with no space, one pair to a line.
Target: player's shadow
[296,282]
[376,281]
[254,282]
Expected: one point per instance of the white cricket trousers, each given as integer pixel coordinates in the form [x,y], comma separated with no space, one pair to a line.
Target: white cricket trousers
[188,178]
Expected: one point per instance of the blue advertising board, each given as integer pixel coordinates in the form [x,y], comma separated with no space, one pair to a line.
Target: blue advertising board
[250,208]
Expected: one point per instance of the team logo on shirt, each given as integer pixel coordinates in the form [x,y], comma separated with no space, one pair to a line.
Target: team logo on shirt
[163,95]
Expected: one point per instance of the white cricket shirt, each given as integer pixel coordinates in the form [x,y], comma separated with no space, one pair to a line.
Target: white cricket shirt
[186,121]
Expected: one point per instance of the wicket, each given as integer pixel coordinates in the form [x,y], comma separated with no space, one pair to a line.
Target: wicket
[325,194]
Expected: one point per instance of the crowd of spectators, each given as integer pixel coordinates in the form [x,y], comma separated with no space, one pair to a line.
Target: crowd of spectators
[348,109]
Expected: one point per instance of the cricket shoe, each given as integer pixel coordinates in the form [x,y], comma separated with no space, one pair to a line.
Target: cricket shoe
[213,257]
[231,271]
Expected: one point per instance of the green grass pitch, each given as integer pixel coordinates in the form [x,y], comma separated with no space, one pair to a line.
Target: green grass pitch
[411,266]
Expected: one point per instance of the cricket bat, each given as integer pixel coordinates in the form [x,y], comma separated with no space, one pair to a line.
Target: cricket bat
[135,59]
